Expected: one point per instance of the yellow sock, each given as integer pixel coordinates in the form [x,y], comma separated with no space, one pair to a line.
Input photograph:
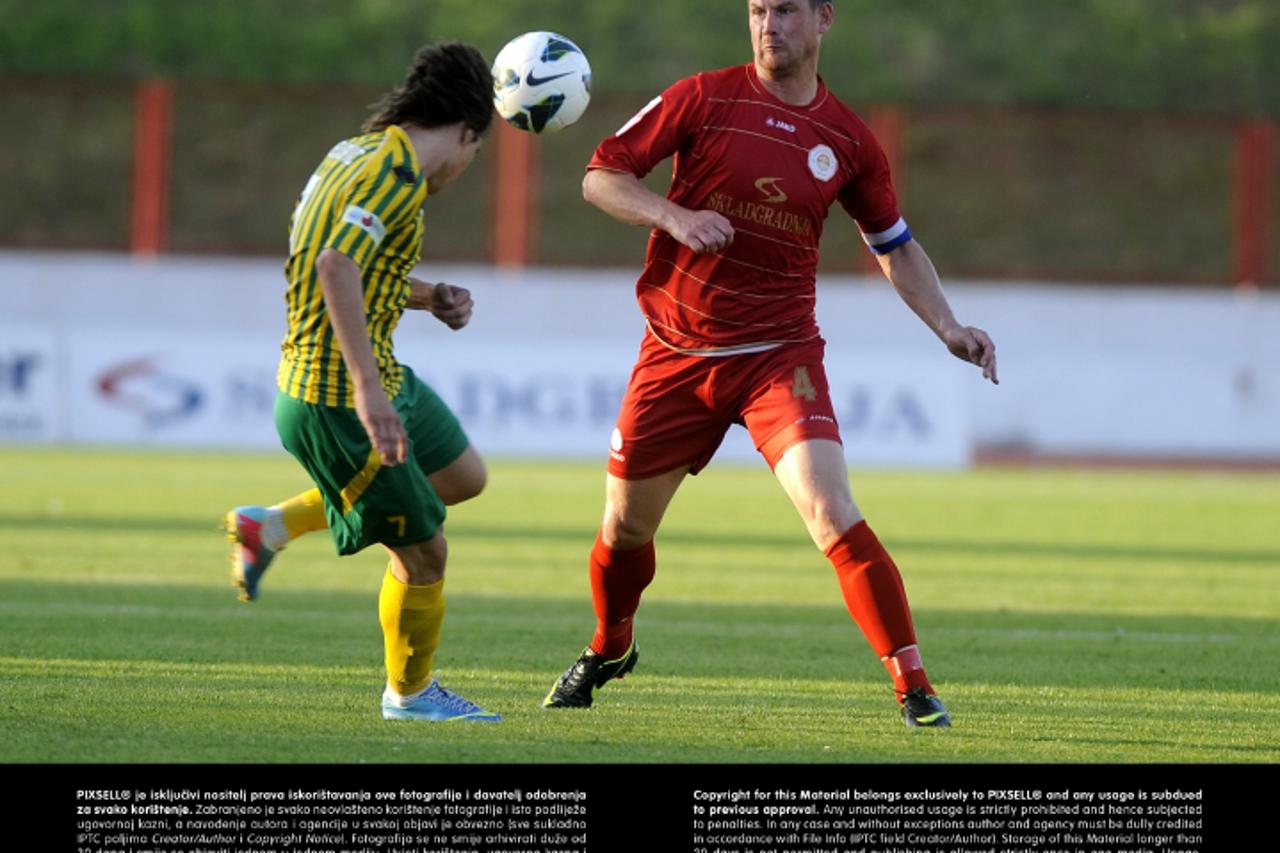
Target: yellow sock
[411,617]
[303,513]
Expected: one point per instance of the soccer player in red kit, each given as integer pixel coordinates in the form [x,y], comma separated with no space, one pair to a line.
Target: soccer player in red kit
[761,153]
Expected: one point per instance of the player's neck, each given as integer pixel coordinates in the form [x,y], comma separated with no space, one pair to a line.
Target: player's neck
[798,88]
[425,144]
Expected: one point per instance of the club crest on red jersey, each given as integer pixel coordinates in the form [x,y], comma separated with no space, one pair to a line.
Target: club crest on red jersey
[822,162]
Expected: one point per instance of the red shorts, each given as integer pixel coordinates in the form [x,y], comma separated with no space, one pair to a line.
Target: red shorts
[678,407]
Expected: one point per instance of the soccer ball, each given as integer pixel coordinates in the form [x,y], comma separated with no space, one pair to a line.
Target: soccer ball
[541,82]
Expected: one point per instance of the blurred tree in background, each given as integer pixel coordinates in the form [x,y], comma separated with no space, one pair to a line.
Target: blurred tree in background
[1214,55]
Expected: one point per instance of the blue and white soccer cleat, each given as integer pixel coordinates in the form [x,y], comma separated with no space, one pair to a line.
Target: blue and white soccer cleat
[249,556]
[434,703]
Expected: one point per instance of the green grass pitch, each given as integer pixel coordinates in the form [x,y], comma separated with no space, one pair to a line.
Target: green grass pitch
[1065,616]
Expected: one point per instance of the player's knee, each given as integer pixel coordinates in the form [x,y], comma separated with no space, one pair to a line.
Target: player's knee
[624,533]
[828,518]
[465,488]
[422,563]
[461,481]
[478,479]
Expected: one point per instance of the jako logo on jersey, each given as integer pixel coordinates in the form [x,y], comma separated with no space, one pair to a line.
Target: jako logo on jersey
[780,124]
[159,398]
[366,221]
[822,162]
[773,193]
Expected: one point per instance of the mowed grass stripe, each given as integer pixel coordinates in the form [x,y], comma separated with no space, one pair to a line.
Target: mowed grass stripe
[771,720]
[776,628]
[1067,616]
[1082,550]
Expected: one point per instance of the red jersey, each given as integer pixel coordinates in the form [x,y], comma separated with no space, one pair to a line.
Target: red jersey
[773,170]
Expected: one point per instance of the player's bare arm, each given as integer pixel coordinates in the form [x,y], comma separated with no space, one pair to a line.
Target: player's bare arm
[344,302]
[625,198]
[449,304]
[912,273]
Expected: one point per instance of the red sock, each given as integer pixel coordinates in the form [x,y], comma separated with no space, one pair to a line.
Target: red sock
[617,579]
[877,601]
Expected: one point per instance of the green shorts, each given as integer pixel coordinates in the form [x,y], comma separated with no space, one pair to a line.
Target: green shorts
[365,502]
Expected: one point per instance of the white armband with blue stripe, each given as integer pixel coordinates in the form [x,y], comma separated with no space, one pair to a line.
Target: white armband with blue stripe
[886,241]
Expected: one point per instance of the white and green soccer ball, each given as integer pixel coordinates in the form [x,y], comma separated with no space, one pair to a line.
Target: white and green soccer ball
[541,82]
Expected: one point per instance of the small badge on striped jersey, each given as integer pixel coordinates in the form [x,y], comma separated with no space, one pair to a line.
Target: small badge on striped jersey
[365,221]
[822,162]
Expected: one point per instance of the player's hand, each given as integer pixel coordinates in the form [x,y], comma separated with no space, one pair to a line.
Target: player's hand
[382,422]
[703,231]
[973,345]
[452,305]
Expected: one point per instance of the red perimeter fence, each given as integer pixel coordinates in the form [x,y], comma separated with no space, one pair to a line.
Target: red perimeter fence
[199,167]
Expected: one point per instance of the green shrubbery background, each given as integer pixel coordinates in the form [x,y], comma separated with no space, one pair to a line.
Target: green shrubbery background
[1093,140]
[1220,55]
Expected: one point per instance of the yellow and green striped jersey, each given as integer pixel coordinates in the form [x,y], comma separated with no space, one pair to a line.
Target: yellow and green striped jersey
[365,200]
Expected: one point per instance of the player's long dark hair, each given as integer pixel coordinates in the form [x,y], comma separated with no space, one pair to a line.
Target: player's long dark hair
[447,83]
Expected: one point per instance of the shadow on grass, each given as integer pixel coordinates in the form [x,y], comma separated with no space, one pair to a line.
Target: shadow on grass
[540,636]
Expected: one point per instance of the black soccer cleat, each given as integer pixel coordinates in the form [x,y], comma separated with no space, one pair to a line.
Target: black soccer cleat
[576,687]
[920,709]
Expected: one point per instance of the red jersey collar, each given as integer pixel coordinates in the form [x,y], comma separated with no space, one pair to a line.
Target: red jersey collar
[819,98]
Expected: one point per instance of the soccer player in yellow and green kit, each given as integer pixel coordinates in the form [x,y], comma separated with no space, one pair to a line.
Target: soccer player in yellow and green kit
[385,453]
